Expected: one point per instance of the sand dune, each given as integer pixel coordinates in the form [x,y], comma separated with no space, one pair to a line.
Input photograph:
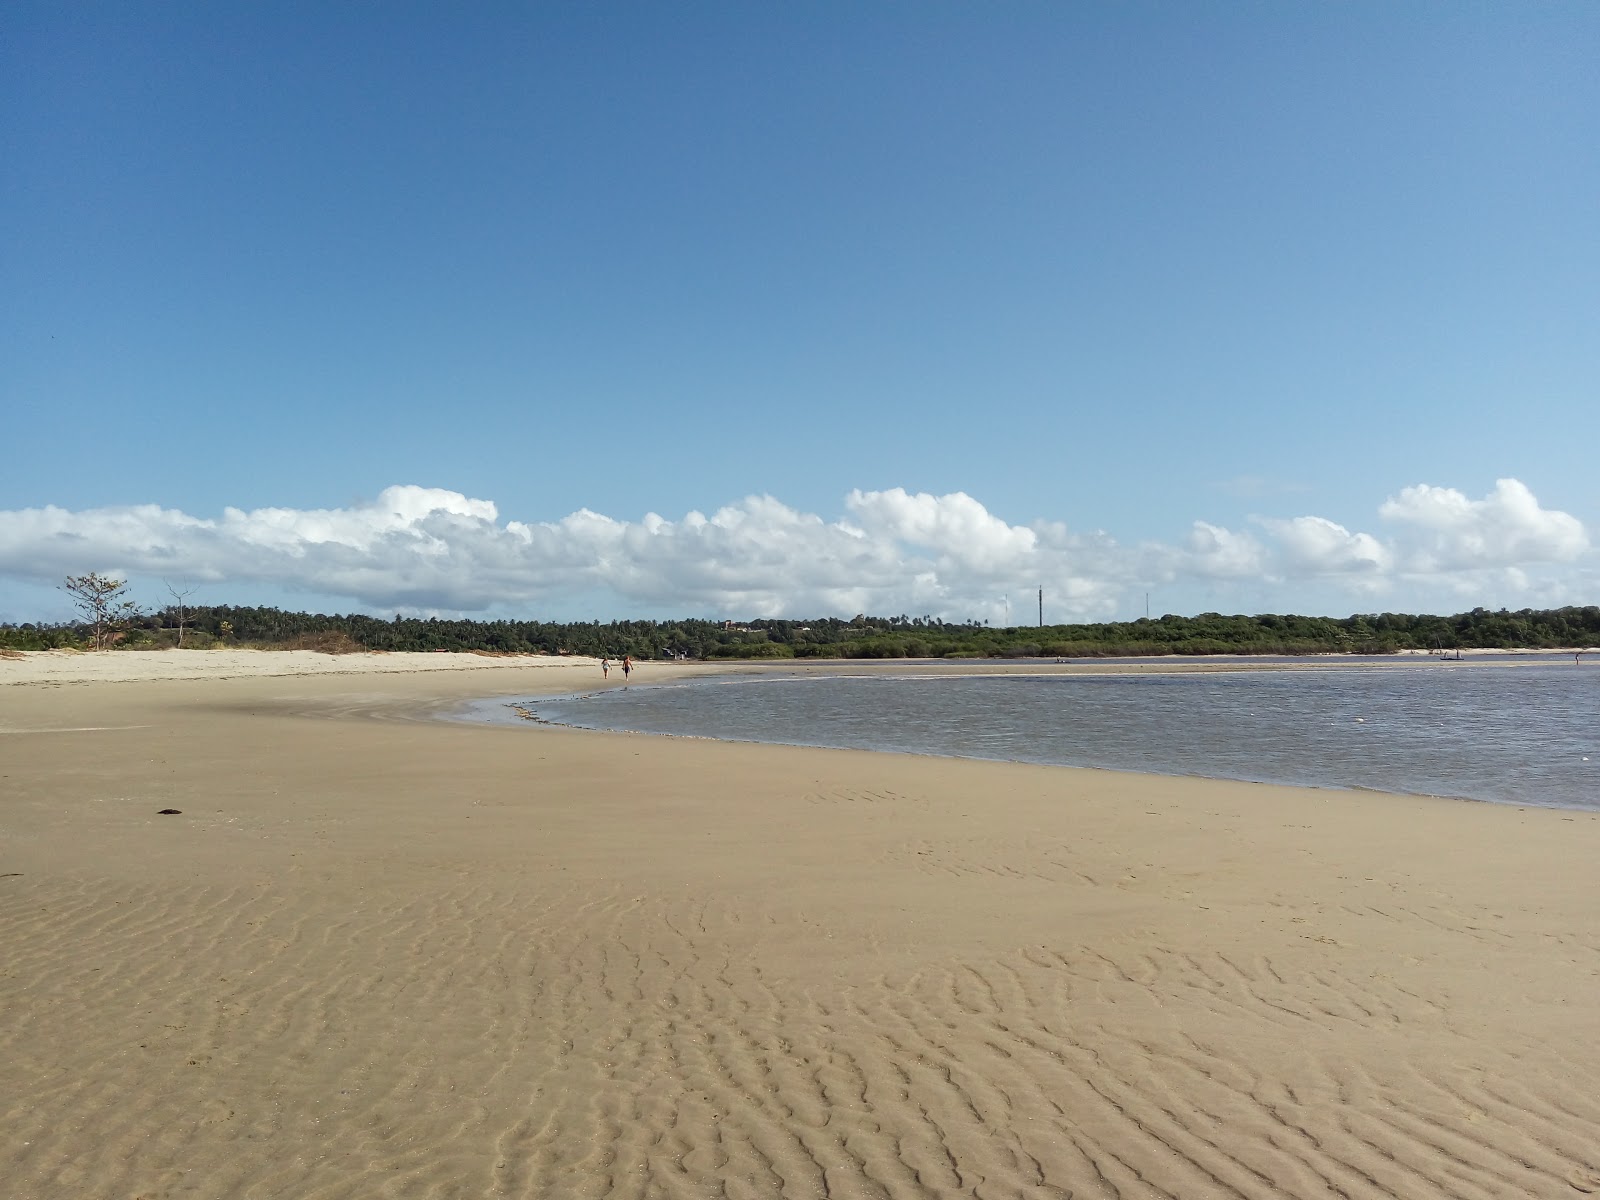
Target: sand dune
[378,954]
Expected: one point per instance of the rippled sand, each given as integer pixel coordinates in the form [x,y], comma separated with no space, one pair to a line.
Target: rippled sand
[382,955]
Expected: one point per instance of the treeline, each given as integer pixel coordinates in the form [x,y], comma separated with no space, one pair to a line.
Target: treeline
[830,637]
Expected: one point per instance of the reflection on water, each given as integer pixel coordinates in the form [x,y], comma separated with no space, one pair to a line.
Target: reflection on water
[1527,734]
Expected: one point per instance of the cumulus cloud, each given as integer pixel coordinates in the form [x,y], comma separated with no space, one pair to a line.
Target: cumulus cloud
[1212,552]
[956,528]
[1316,546]
[889,551]
[1440,529]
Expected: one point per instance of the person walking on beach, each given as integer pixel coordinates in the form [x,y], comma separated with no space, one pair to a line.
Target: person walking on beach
[605,668]
[627,668]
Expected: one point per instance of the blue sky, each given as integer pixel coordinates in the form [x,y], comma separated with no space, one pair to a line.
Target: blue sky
[1248,307]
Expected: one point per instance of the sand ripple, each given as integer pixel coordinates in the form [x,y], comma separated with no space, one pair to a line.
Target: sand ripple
[527,1042]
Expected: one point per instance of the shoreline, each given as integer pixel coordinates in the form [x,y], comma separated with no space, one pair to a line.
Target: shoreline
[527,716]
[373,952]
[1328,777]
[26,667]
[552,676]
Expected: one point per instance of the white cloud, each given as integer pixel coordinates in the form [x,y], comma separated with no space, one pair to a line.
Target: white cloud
[891,551]
[1442,530]
[959,530]
[1317,546]
[1212,552]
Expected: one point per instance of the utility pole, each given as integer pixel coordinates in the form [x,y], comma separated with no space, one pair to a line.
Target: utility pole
[1147,606]
[1041,608]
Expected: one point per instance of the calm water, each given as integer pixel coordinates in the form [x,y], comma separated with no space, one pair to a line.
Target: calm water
[1525,734]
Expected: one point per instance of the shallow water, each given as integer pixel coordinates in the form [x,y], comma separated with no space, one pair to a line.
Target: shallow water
[1520,734]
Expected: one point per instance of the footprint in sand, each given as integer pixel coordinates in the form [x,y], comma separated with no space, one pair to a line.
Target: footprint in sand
[1584,1179]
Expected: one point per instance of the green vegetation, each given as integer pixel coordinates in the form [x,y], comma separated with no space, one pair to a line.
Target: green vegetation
[827,637]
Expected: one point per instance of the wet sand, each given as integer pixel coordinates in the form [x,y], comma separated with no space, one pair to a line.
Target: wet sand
[381,954]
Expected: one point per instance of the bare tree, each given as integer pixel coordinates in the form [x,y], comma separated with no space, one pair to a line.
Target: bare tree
[178,599]
[102,602]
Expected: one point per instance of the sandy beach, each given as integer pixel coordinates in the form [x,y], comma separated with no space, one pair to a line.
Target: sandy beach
[379,954]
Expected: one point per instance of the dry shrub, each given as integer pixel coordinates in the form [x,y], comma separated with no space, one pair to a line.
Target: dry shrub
[7,652]
[326,641]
